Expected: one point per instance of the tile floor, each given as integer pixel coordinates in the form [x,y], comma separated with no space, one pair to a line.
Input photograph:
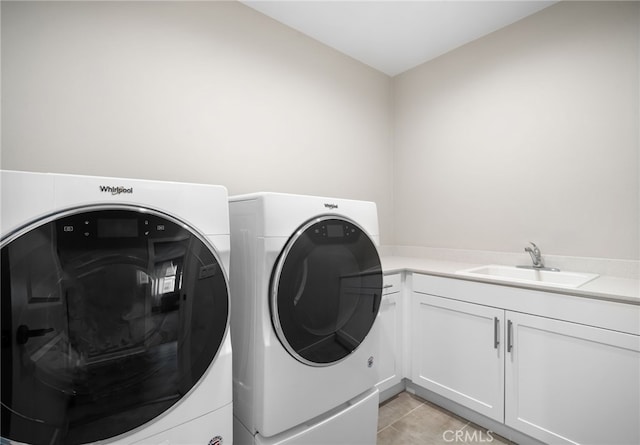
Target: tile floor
[406,419]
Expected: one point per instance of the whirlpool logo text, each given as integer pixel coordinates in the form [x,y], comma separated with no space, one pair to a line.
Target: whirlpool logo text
[116,190]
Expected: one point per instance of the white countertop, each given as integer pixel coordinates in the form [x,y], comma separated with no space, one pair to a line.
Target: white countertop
[624,290]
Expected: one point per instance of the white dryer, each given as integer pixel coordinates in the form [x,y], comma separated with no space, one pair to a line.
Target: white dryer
[114,311]
[306,284]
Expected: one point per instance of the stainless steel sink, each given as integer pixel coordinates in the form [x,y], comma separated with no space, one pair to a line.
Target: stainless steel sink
[563,279]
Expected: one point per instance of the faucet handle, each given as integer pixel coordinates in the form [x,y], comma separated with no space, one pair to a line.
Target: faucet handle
[536,255]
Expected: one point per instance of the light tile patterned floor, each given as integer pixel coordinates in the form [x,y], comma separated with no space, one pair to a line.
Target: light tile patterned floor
[409,420]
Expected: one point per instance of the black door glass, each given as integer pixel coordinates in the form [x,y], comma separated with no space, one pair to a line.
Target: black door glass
[326,291]
[109,317]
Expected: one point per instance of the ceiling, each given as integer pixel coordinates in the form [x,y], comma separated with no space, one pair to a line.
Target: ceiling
[394,36]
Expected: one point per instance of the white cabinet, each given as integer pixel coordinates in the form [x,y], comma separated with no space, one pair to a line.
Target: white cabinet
[567,383]
[458,352]
[388,331]
[558,381]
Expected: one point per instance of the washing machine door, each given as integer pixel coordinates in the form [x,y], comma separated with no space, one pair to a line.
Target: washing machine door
[325,290]
[110,315]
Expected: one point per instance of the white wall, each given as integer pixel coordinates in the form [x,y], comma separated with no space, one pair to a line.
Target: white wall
[208,92]
[530,133]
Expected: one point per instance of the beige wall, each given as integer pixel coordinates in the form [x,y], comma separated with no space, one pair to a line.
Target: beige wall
[208,92]
[530,133]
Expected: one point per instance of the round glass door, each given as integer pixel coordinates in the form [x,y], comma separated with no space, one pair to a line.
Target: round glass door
[109,317]
[326,290]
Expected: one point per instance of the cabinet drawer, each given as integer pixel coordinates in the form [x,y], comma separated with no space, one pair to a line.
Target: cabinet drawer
[391,284]
[615,316]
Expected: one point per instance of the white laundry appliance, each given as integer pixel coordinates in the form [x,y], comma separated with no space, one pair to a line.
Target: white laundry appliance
[115,311]
[306,284]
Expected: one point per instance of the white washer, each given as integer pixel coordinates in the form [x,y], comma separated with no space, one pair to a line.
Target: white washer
[115,311]
[306,284]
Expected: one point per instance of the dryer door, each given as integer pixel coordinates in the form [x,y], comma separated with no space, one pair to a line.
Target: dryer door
[109,317]
[326,290]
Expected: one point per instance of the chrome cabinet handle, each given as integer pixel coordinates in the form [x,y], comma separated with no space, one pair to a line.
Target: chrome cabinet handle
[509,335]
[496,335]
[387,286]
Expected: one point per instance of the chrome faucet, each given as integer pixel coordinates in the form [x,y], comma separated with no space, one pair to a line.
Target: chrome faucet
[536,256]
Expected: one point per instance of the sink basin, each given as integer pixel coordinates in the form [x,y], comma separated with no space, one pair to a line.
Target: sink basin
[569,280]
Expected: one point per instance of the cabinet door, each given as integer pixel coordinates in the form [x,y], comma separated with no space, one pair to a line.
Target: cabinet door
[389,333]
[457,352]
[571,383]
